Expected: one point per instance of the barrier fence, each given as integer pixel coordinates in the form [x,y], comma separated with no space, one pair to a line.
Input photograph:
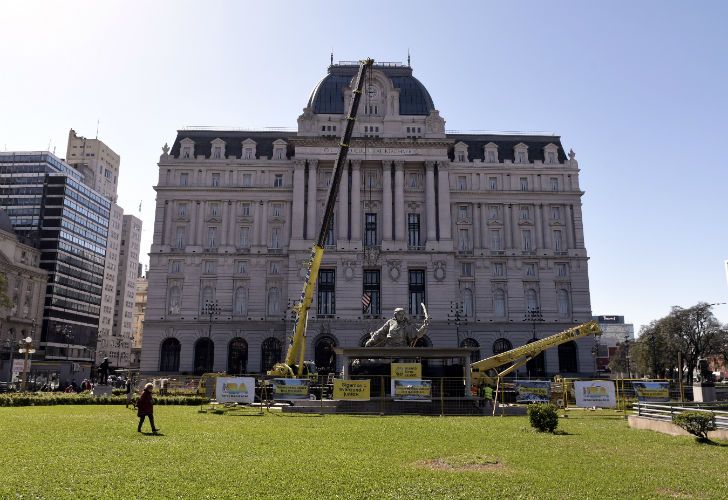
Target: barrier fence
[666,411]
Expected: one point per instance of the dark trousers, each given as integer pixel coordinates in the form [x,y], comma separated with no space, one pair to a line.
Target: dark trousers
[151,422]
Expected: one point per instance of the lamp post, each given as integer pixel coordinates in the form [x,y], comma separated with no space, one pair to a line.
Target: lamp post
[626,355]
[211,309]
[27,348]
[455,316]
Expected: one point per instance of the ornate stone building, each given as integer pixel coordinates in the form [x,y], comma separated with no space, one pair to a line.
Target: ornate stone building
[485,229]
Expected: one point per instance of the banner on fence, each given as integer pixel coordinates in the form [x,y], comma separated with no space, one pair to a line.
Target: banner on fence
[599,393]
[235,390]
[652,392]
[411,389]
[351,390]
[533,391]
[406,370]
[290,388]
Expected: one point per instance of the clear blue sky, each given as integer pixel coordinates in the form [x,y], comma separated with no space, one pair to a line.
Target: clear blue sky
[637,89]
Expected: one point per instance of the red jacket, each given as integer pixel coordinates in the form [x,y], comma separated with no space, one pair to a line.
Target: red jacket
[144,405]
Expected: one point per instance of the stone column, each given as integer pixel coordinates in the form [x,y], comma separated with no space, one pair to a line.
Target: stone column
[299,193]
[356,201]
[485,234]
[399,201]
[344,205]
[311,227]
[517,243]
[430,201]
[476,226]
[507,226]
[444,202]
[539,226]
[262,219]
[169,210]
[546,228]
[386,201]
[569,228]
[196,223]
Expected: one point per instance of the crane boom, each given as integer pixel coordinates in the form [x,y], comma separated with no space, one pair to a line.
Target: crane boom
[487,369]
[294,364]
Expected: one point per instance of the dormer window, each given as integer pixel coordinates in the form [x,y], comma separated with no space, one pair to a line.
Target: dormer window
[218,149]
[249,149]
[491,152]
[551,154]
[521,153]
[187,148]
[461,152]
[279,149]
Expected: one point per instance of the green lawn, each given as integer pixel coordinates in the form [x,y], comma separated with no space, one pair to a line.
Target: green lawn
[95,451]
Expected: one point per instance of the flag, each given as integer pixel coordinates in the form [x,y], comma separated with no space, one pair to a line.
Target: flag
[366,300]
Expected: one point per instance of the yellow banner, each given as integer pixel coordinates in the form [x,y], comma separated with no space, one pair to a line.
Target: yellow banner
[406,370]
[353,390]
[290,388]
[411,390]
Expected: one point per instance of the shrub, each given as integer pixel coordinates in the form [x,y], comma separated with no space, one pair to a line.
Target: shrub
[85,398]
[697,423]
[543,417]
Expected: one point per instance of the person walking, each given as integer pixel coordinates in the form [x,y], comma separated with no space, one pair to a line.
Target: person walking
[145,408]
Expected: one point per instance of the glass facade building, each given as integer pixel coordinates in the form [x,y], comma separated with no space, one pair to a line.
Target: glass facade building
[51,209]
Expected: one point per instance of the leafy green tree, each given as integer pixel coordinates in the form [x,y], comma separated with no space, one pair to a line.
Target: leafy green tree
[698,334]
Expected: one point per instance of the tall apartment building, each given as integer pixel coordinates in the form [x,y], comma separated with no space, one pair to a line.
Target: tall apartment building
[140,307]
[111,273]
[96,161]
[52,209]
[489,224]
[119,349]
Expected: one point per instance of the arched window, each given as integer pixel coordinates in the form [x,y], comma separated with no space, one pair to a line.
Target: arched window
[531,299]
[468,305]
[270,353]
[324,356]
[567,358]
[174,300]
[564,308]
[240,302]
[499,303]
[204,356]
[208,296]
[475,355]
[237,356]
[502,345]
[169,355]
[274,298]
[536,367]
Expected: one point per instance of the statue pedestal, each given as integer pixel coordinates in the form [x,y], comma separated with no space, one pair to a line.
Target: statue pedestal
[102,390]
[703,393]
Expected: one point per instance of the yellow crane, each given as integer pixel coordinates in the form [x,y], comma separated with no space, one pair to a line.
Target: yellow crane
[295,365]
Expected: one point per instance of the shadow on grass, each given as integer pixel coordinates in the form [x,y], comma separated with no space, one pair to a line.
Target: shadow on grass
[710,442]
[560,432]
[153,434]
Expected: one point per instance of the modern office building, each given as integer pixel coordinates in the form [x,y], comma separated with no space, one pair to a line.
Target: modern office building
[24,288]
[98,163]
[52,209]
[487,227]
[614,332]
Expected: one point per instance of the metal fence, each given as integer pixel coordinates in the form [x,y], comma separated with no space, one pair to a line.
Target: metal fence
[666,411]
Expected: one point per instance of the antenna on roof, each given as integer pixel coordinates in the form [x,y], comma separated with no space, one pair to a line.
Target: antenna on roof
[332,57]
[408,58]
[97,128]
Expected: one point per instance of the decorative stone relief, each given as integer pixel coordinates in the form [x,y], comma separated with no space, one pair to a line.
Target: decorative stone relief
[349,270]
[439,272]
[394,269]
[371,255]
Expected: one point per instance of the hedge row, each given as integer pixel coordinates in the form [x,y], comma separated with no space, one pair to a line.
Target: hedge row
[49,399]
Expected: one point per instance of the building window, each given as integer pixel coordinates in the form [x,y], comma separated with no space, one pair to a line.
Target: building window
[327,178]
[241,267]
[278,180]
[169,355]
[551,157]
[562,270]
[270,353]
[524,183]
[248,153]
[370,230]
[175,266]
[466,269]
[204,356]
[556,213]
[184,179]
[568,357]
[237,356]
[564,308]
[247,180]
[212,237]
[416,291]
[491,157]
[240,301]
[468,303]
[531,299]
[244,237]
[527,245]
[493,211]
[217,153]
[502,345]
[214,209]
[215,180]
[530,269]
[179,238]
[499,306]
[274,299]
[558,244]
[186,152]
[208,267]
[182,210]
[277,209]
[275,237]
[525,212]
[463,213]
[521,157]
[330,238]
[498,269]
[462,182]
[413,181]
[324,355]
[274,268]
[413,230]
[495,240]
[463,240]
[371,298]
[326,298]
[493,182]
[175,295]
[245,209]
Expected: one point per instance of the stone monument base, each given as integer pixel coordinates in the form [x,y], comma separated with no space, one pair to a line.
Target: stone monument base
[703,393]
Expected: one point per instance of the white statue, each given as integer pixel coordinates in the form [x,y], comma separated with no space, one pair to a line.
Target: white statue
[399,331]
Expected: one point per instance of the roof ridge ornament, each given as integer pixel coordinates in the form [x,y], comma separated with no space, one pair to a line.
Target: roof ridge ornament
[572,155]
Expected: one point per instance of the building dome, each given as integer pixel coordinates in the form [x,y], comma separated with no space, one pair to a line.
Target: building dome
[5,224]
[327,96]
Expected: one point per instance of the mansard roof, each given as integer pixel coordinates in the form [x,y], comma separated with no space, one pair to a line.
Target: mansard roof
[203,138]
[506,143]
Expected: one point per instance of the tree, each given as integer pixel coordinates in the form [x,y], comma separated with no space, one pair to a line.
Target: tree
[696,332]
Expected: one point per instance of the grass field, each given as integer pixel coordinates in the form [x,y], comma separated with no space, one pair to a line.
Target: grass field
[95,452]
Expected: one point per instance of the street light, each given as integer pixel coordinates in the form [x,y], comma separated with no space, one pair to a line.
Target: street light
[211,308]
[626,355]
[455,316]
[27,348]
